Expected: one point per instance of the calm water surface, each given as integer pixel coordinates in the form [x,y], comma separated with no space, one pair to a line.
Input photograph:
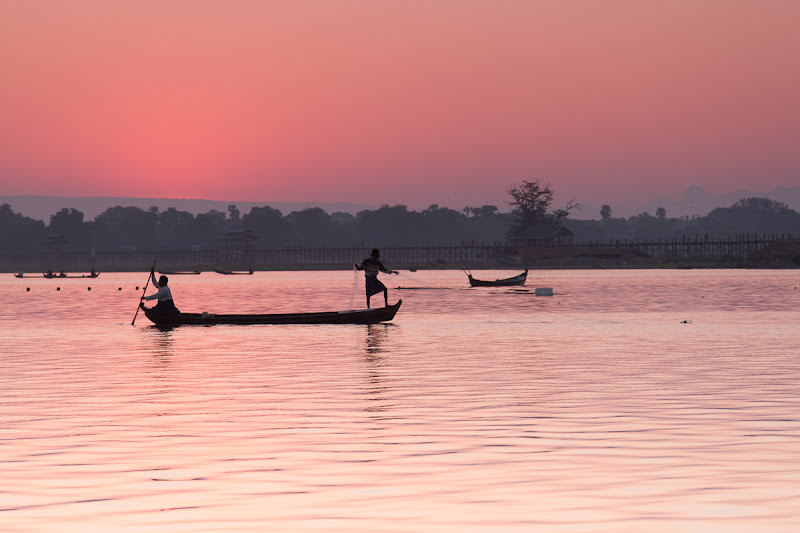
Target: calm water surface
[629,401]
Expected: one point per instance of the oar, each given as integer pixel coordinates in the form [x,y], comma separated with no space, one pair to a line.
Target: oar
[150,275]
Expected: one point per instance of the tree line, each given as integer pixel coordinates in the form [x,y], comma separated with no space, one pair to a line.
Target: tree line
[121,228]
[128,228]
[748,216]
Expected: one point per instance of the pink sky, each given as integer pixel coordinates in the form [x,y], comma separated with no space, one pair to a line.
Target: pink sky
[407,101]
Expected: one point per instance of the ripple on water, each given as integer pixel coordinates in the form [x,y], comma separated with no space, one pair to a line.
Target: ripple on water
[596,409]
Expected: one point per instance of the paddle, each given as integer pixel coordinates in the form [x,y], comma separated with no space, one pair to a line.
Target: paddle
[150,275]
[466,269]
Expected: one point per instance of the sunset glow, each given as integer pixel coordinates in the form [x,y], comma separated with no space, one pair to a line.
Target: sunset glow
[413,102]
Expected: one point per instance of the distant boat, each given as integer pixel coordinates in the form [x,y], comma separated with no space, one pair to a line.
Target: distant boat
[234,272]
[50,275]
[19,275]
[506,282]
[180,272]
[357,316]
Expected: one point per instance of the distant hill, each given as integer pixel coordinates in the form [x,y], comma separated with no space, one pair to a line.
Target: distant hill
[42,207]
[695,201]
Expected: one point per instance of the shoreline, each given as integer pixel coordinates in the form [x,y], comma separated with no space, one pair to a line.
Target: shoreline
[407,268]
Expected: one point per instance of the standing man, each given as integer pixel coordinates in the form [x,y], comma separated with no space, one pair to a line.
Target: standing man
[165,304]
[371,266]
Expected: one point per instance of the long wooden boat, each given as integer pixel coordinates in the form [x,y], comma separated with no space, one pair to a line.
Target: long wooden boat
[235,272]
[50,275]
[356,316]
[180,272]
[506,282]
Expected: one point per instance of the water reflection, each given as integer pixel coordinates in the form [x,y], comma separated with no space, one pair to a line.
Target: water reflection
[594,409]
[162,340]
[375,341]
[375,338]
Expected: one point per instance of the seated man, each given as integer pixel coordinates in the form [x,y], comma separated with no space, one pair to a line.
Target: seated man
[165,304]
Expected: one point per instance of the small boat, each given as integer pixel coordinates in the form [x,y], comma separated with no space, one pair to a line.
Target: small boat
[19,275]
[179,272]
[50,275]
[356,316]
[506,282]
[235,272]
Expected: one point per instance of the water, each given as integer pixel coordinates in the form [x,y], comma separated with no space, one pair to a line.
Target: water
[629,401]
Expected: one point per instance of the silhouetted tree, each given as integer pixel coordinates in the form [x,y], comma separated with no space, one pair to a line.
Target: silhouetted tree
[531,202]
[269,224]
[605,212]
[388,224]
[483,211]
[443,224]
[66,220]
[752,216]
[343,225]
[342,219]
[311,225]
[210,227]
[69,224]
[19,233]
[127,227]
[486,211]
[765,205]
[176,228]
[487,225]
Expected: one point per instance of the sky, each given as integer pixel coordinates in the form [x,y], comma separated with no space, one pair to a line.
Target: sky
[409,102]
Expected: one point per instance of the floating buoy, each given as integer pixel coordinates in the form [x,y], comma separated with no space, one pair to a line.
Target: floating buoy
[58,288]
[28,289]
[119,289]
[686,321]
[89,289]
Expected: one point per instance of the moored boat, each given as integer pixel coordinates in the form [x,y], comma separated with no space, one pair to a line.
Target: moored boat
[234,272]
[355,316]
[505,282]
[180,272]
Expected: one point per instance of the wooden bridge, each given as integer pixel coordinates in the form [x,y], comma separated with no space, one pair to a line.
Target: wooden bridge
[452,255]
[738,246]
